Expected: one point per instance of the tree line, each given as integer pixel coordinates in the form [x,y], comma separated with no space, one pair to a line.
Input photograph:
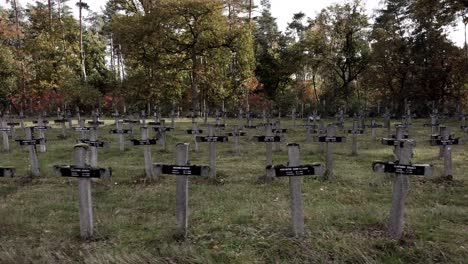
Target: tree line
[207,53]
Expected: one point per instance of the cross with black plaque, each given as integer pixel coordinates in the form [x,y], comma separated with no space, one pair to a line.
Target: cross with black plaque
[31,143]
[269,139]
[219,126]
[131,122]
[293,118]
[62,120]
[407,118]
[121,132]
[95,122]
[12,124]
[434,124]
[396,140]
[250,124]
[329,140]
[278,131]
[373,125]
[236,134]
[84,174]
[161,131]
[446,141]
[5,129]
[294,171]
[41,128]
[21,118]
[387,116]
[194,132]
[116,117]
[146,143]
[402,169]
[355,132]
[212,139]
[93,144]
[182,171]
[309,127]
[339,118]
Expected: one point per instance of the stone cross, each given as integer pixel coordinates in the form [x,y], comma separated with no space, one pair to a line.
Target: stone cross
[401,169]
[269,139]
[93,144]
[182,171]
[329,140]
[62,120]
[355,132]
[146,143]
[278,131]
[211,139]
[446,141]
[162,130]
[294,171]
[121,132]
[84,174]
[41,127]
[5,129]
[236,134]
[373,125]
[31,142]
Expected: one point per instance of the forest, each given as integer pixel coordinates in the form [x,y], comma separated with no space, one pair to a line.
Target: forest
[202,54]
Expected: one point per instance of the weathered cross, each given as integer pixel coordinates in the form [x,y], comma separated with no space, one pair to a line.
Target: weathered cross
[294,171]
[402,168]
[182,171]
[84,174]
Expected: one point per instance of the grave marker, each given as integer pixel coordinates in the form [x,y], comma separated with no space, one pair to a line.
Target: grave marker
[31,143]
[146,143]
[121,132]
[355,132]
[401,169]
[181,170]
[5,129]
[212,140]
[373,125]
[41,127]
[269,138]
[84,174]
[161,130]
[236,134]
[294,171]
[329,140]
[93,144]
[446,141]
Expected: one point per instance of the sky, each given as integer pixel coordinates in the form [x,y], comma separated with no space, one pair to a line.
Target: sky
[283,10]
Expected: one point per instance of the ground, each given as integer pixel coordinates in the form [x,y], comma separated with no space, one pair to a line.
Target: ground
[235,219]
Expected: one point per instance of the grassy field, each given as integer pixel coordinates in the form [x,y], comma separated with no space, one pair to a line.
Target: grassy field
[235,219]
